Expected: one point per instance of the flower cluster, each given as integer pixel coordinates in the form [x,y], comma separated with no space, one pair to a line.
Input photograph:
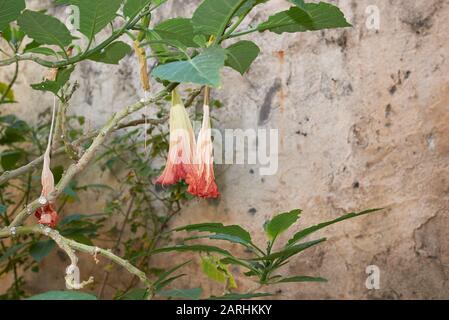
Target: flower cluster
[189,159]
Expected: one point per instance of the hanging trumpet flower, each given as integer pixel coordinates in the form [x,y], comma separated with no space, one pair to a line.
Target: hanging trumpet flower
[46,214]
[203,183]
[182,145]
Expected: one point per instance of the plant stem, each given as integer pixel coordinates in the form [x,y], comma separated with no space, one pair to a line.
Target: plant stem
[11,83]
[65,243]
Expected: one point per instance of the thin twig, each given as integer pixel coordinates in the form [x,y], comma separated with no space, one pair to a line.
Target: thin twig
[69,246]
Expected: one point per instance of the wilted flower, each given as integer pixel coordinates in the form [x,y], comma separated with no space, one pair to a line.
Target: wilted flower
[47,214]
[203,182]
[182,145]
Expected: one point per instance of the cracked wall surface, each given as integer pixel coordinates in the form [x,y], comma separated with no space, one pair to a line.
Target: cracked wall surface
[363,120]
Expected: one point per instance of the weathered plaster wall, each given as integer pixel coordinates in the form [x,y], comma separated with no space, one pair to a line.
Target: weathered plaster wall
[363,118]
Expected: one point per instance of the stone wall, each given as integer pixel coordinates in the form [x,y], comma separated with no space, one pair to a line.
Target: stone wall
[363,120]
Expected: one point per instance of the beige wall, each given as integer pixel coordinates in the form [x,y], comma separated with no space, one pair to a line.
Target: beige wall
[364,122]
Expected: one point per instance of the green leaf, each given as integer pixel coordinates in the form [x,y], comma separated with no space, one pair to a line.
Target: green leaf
[280,223]
[135,294]
[241,55]
[177,29]
[191,294]
[44,29]
[167,281]
[231,233]
[11,251]
[133,7]
[9,11]
[41,249]
[305,232]
[217,271]
[3,209]
[313,17]
[203,69]
[302,279]
[238,296]
[212,16]
[54,86]
[95,15]
[9,96]
[290,251]
[165,274]
[42,50]
[63,295]
[193,248]
[211,270]
[112,54]
[9,159]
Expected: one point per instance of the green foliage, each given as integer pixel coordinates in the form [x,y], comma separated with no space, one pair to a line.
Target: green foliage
[280,223]
[311,17]
[55,86]
[177,31]
[39,250]
[241,55]
[133,7]
[261,264]
[95,15]
[9,11]
[202,69]
[44,29]
[112,54]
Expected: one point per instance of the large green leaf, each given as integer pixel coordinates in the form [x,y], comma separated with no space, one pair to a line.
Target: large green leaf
[290,251]
[41,249]
[9,11]
[203,69]
[133,7]
[95,15]
[304,233]
[313,17]
[231,233]
[112,54]
[241,55]
[191,294]
[63,295]
[212,16]
[54,86]
[280,223]
[177,29]
[44,29]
